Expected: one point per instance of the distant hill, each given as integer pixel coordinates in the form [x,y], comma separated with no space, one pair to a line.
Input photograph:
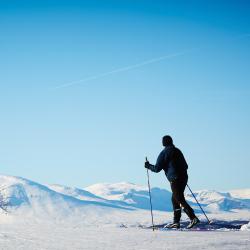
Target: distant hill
[137,196]
[61,201]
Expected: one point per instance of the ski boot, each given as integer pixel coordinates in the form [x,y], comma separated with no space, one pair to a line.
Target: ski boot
[174,225]
[193,222]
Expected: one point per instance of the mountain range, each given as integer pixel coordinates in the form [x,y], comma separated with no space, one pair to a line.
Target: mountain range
[20,194]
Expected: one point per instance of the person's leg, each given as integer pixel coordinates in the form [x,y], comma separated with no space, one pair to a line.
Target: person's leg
[177,210]
[179,187]
[187,209]
[175,203]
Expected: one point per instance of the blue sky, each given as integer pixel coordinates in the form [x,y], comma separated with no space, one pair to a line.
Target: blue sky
[100,130]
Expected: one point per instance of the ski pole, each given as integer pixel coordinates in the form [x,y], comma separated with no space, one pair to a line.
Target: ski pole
[151,207]
[199,204]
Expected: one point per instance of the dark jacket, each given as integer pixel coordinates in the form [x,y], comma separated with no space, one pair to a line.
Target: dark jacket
[172,161]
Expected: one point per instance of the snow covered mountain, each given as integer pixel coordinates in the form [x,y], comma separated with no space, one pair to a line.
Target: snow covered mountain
[241,193]
[137,196]
[133,195]
[30,198]
[215,201]
[61,217]
[60,201]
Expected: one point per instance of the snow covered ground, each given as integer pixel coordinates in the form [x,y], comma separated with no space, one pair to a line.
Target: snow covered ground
[61,236]
[108,216]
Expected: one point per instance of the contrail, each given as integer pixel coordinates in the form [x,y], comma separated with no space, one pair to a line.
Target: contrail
[127,68]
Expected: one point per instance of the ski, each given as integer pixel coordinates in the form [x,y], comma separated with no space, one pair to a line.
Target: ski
[217,225]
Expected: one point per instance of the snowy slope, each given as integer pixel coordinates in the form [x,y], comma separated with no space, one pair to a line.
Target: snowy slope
[137,196]
[75,192]
[220,201]
[132,194]
[33,199]
[105,216]
[62,201]
[240,193]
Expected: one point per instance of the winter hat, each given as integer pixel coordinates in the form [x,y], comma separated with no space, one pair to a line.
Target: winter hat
[167,140]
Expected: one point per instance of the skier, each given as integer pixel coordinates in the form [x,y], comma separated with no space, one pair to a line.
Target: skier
[172,161]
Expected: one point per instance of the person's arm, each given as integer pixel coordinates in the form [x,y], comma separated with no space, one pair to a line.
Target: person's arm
[159,163]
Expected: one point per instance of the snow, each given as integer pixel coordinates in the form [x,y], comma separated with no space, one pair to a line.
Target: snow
[114,191]
[108,216]
[246,227]
[215,201]
[133,195]
[241,193]
[137,196]
[75,192]
[51,236]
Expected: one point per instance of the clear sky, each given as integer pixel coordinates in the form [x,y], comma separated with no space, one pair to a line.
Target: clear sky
[76,111]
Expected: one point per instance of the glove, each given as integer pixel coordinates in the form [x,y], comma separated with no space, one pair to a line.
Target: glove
[147,165]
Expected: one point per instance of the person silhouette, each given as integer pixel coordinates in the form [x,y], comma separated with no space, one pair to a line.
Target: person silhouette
[172,161]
